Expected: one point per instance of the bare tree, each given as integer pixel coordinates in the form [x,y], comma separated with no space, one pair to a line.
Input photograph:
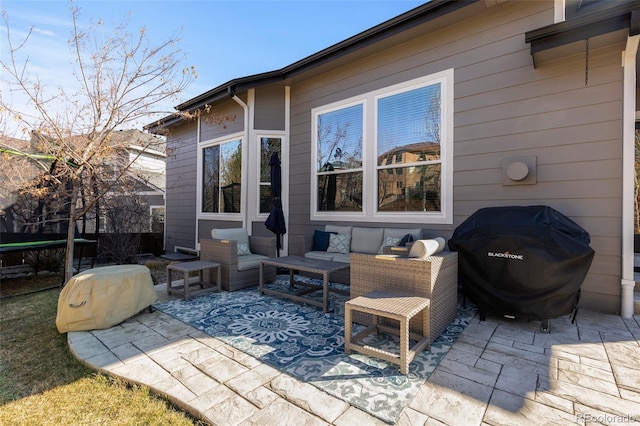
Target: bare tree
[121,81]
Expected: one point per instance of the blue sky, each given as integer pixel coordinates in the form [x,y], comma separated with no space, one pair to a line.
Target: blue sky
[222,39]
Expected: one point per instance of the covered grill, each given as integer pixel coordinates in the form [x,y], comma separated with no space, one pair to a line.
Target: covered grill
[526,262]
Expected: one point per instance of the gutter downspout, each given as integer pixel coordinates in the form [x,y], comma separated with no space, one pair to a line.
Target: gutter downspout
[245,107]
[628,173]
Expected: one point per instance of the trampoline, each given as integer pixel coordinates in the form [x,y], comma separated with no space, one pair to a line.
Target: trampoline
[41,245]
[37,246]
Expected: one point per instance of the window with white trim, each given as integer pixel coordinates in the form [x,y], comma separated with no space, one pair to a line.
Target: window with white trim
[268,146]
[222,177]
[156,218]
[386,154]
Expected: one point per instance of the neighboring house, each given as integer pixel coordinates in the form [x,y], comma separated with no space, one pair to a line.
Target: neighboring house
[14,171]
[145,178]
[448,96]
[147,155]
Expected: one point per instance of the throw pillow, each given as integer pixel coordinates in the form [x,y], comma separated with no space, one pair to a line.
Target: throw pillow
[425,248]
[406,239]
[339,243]
[388,242]
[320,240]
[243,249]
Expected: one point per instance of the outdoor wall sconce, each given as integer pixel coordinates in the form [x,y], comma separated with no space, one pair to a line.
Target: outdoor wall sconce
[519,170]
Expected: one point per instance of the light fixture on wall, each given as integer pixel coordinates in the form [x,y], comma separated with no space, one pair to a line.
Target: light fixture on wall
[519,170]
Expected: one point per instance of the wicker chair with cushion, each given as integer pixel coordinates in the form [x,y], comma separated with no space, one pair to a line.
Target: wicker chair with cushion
[239,255]
[433,277]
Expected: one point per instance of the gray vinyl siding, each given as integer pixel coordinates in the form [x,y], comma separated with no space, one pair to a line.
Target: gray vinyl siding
[504,107]
[181,203]
[180,213]
[181,216]
[566,115]
[232,116]
[155,200]
[270,108]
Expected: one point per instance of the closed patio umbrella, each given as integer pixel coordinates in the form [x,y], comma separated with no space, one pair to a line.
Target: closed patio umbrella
[275,221]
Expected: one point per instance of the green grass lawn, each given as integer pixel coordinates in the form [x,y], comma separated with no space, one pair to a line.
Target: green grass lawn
[41,383]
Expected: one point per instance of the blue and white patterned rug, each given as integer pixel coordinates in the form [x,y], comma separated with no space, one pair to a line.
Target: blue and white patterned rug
[306,343]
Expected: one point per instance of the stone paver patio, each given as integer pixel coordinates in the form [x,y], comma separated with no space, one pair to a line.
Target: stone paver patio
[499,372]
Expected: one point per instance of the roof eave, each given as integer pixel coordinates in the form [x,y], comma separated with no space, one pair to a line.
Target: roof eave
[416,16]
[604,21]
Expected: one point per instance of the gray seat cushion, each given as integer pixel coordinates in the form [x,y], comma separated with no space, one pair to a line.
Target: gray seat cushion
[250,261]
[366,240]
[232,234]
[319,255]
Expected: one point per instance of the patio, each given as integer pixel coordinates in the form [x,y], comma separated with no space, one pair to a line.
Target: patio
[497,371]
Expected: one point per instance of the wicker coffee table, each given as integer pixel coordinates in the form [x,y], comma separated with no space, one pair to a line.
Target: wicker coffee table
[186,268]
[299,263]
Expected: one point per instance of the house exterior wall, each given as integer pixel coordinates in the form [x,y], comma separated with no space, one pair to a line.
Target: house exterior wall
[184,226]
[211,128]
[182,168]
[564,114]
[180,213]
[270,108]
[504,108]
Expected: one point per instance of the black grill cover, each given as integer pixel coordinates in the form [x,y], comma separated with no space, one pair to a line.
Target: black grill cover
[523,261]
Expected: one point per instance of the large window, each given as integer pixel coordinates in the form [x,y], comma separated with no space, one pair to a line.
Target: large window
[339,159]
[386,154]
[222,177]
[408,150]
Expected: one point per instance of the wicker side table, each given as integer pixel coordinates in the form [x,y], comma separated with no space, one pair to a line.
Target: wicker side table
[186,268]
[393,306]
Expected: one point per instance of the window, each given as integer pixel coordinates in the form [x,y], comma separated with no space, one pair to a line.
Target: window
[408,133]
[268,146]
[156,219]
[386,154]
[339,159]
[222,177]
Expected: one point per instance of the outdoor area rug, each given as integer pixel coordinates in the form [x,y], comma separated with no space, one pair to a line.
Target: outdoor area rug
[301,340]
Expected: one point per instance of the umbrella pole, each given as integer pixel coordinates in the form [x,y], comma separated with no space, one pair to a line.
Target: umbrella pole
[278,245]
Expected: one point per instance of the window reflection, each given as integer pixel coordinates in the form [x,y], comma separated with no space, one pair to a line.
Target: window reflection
[409,189]
[340,192]
[392,140]
[409,134]
[268,145]
[222,177]
[339,159]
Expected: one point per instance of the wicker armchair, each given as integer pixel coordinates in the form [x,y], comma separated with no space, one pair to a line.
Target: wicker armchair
[435,277]
[242,271]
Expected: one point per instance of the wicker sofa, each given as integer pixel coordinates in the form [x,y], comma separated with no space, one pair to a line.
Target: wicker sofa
[361,240]
[238,270]
[434,277]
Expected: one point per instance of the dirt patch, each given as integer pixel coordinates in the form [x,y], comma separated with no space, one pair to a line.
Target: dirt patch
[17,282]
[26,284]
